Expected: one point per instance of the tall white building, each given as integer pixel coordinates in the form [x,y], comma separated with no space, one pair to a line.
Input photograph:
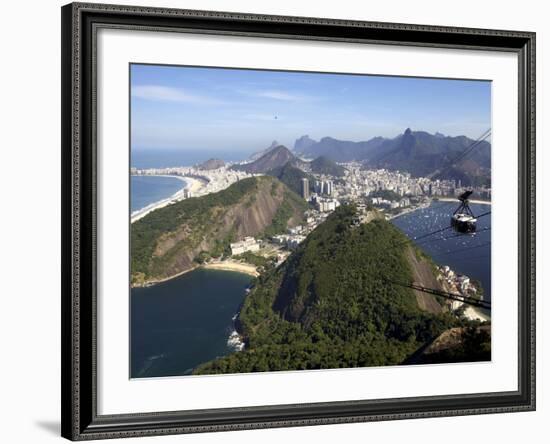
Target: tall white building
[305,188]
[329,187]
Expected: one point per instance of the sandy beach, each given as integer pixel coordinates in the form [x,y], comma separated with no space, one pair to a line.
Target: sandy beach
[475,315]
[225,266]
[192,184]
[233,266]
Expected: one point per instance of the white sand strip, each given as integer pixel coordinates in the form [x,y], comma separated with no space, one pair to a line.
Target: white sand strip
[194,185]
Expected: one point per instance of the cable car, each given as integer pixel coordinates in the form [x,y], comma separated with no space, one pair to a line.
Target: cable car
[463,219]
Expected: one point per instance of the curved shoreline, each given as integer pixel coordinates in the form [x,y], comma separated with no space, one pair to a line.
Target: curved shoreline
[474,314]
[192,184]
[235,267]
[166,279]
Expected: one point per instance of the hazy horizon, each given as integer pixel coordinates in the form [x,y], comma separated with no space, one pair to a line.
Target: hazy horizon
[183,109]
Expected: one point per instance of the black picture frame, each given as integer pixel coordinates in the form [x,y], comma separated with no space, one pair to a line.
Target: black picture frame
[80,420]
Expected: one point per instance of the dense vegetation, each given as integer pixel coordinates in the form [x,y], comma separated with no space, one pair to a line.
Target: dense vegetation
[475,345]
[330,304]
[323,165]
[195,229]
[291,176]
[253,259]
[279,223]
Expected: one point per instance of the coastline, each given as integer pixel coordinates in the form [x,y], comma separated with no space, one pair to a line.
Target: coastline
[160,281]
[192,184]
[474,314]
[236,267]
[233,266]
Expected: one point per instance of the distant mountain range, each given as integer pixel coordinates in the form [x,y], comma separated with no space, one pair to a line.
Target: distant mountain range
[336,150]
[417,152]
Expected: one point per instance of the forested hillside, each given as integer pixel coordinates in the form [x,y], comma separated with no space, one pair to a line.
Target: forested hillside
[170,240]
[330,305]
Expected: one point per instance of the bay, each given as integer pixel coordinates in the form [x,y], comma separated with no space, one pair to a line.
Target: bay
[468,254]
[186,321]
[165,158]
[145,190]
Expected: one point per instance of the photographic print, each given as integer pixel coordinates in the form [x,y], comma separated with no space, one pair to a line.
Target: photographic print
[285,221]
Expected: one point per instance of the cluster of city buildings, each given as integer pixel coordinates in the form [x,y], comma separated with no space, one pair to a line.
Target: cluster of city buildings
[456,283]
[212,180]
[247,244]
[321,196]
[296,235]
[359,182]
[285,241]
[400,193]
[323,187]
[391,204]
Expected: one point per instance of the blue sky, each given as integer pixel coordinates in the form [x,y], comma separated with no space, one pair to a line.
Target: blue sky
[185,108]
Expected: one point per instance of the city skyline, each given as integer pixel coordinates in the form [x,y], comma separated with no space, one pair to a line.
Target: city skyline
[188,108]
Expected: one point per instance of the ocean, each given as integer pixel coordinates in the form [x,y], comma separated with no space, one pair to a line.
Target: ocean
[145,190]
[163,158]
[181,323]
[468,254]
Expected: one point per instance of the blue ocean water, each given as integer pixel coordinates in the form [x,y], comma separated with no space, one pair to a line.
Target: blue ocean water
[181,323]
[468,254]
[145,190]
[162,158]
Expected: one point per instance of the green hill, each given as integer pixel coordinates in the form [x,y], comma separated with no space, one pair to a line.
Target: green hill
[291,176]
[273,158]
[172,239]
[331,305]
[323,165]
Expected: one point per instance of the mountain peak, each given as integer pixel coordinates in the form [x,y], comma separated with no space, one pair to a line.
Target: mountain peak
[279,149]
[323,165]
[270,159]
[258,154]
[303,143]
[211,164]
[407,132]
